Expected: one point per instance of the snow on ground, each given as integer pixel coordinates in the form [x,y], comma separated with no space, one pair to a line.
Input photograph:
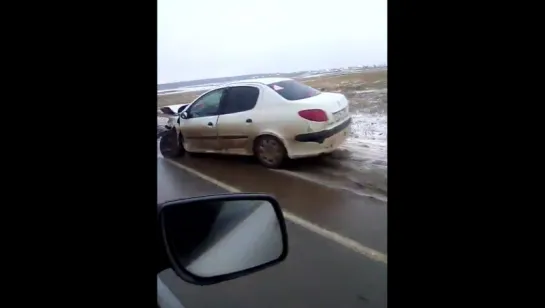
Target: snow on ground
[362,159]
[186,89]
[367,145]
[315,75]
[360,164]
[364,154]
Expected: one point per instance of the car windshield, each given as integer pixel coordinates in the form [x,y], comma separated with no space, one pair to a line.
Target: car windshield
[293,90]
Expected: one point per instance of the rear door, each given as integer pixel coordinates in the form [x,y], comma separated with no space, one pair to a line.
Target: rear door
[199,129]
[236,126]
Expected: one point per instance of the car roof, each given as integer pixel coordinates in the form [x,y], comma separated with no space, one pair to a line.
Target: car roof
[265,81]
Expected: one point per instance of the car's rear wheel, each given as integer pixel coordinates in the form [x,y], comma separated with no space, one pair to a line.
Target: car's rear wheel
[170,145]
[270,151]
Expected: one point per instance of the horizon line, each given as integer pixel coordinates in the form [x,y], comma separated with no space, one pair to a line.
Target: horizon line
[378,65]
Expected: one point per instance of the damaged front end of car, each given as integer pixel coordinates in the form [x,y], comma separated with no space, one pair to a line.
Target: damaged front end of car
[167,118]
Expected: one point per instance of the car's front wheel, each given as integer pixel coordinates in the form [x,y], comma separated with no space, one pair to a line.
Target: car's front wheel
[170,146]
[270,151]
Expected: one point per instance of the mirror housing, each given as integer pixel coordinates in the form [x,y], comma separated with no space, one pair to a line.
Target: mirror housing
[182,108]
[211,239]
[184,115]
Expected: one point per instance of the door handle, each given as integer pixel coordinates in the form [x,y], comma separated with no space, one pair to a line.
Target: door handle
[210,124]
[248,120]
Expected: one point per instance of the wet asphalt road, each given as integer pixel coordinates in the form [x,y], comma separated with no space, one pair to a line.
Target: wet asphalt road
[362,219]
[318,271]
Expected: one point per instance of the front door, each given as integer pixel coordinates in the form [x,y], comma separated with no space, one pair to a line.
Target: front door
[199,129]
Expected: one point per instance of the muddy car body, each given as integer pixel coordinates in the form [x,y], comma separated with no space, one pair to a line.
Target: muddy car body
[272,118]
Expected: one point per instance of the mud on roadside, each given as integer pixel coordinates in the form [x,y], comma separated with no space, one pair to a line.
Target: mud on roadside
[360,165]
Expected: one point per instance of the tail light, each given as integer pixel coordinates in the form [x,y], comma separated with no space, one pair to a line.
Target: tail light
[315,115]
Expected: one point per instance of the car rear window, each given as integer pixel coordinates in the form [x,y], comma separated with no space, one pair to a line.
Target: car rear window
[293,90]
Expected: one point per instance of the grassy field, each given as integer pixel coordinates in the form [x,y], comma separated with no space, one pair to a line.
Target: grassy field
[350,82]
[339,83]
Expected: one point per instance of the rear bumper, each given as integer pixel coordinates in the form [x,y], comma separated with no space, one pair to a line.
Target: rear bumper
[320,136]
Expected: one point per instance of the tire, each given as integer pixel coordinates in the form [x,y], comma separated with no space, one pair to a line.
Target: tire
[169,145]
[270,151]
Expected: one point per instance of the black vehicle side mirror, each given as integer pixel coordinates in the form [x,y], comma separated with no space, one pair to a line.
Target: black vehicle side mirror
[184,115]
[207,240]
[182,108]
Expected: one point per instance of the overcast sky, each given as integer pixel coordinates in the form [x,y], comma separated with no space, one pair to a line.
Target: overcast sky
[216,38]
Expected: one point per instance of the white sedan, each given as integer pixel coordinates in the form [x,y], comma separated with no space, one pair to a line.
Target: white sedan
[271,118]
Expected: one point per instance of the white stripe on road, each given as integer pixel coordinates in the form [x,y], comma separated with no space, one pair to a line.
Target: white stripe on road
[344,241]
[312,179]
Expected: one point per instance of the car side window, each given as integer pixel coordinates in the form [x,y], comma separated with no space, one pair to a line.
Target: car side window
[240,99]
[208,105]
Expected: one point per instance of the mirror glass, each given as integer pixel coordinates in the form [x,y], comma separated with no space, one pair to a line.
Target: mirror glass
[222,237]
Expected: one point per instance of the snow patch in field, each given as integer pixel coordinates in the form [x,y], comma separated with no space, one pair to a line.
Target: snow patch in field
[186,89]
[370,126]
